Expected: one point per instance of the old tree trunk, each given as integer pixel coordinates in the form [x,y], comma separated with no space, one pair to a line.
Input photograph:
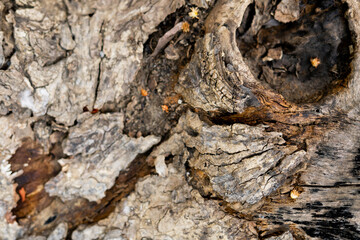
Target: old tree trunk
[175,119]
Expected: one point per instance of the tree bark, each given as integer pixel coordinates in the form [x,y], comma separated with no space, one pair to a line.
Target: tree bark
[196,119]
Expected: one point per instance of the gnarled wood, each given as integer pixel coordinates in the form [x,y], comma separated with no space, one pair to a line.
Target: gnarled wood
[191,142]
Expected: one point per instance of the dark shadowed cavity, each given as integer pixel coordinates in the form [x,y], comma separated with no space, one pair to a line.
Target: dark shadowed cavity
[303,59]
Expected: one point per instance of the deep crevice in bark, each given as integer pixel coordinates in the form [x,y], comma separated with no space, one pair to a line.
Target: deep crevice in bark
[101,58]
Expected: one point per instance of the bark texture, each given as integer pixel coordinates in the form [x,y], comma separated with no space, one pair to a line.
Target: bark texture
[105,135]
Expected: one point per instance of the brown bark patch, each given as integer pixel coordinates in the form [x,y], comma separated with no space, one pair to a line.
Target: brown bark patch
[37,169]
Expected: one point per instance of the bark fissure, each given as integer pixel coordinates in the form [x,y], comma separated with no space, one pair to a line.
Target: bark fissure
[98,78]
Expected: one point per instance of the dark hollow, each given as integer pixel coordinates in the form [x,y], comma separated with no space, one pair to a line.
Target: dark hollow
[321,32]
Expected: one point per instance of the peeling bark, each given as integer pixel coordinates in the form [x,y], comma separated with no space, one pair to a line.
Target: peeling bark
[113,129]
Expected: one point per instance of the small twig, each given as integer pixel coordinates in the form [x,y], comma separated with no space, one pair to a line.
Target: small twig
[182,36]
[168,36]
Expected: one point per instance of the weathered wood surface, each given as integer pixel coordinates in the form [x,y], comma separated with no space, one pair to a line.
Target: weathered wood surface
[103,140]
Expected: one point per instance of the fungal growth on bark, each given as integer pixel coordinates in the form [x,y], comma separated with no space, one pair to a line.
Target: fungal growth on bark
[301,48]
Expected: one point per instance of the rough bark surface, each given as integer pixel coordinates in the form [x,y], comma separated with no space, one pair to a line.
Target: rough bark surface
[142,119]
[96,164]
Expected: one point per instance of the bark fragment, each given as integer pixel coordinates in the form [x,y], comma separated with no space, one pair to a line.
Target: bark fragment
[287,11]
[99,151]
[243,163]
